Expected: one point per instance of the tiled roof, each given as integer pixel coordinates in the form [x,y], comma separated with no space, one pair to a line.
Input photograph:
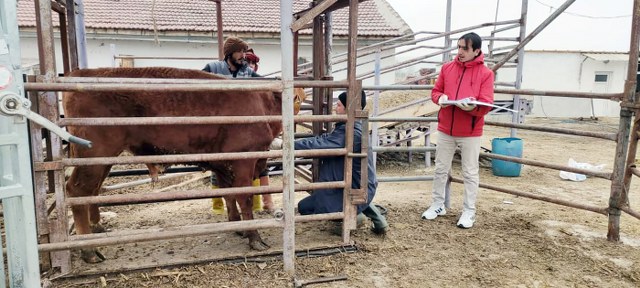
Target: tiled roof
[200,16]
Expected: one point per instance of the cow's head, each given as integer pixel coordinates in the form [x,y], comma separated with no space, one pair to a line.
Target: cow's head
[298,97]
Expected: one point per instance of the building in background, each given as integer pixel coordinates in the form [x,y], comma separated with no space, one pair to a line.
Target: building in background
[188,28]
[578,71]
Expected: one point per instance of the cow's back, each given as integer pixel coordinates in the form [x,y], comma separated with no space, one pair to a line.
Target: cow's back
[162,139]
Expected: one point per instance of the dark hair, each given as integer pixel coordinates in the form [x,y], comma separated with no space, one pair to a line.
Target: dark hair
[473,39]
[343,98]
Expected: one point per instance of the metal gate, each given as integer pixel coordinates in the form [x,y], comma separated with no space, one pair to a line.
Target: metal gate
[16,180]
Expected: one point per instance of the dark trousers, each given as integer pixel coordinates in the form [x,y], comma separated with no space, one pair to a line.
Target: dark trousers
[307,206]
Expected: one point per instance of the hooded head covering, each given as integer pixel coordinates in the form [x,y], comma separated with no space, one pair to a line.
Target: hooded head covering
[234,44]
[343,99]
[252,57]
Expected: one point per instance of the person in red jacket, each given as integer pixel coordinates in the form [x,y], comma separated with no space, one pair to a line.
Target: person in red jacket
[461,124]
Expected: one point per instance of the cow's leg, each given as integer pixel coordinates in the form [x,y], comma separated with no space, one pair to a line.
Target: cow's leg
[243,172]
[86,181]
[94,211]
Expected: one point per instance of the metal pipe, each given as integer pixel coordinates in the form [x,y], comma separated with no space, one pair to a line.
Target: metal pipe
[219,29]
[605,96]
[157,159]
[169,233]
[403,149]
[518,117]
[591,208]
[403,119]
[191,120]
[604,175]
[534,33]
[630,211]
[133,198]
[288,181]
[601,135]
[397,87]
[627,148]
[404,178]
[221,85]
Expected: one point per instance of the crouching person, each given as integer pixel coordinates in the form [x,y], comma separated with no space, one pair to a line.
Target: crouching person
[332,169]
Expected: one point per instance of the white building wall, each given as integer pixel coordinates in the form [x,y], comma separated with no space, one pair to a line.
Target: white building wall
[99,54]
[568,71]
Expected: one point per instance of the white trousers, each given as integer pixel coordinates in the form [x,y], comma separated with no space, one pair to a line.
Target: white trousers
[470,150]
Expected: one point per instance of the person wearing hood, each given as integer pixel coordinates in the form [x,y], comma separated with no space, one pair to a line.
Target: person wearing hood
[234,64]
[461,124]
[332,169]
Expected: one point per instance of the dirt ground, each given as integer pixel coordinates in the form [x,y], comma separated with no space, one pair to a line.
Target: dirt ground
[516,242]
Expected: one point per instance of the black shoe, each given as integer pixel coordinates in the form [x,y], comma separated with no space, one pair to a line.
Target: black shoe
[379,231]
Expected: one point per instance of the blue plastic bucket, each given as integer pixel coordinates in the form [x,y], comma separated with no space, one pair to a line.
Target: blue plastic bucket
[508,147]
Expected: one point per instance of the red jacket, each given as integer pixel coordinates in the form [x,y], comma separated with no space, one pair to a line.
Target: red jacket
[459,80]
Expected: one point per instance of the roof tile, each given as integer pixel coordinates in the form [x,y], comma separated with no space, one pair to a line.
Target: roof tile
[200,15]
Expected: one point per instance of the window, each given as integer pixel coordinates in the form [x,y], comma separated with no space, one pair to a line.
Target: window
[601,78]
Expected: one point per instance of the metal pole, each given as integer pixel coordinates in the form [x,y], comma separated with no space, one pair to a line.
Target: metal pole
[81,36]
[447,38]
[288,195]
[621,177]
[375,141]
[518,117]
[219,29]
[353,96]
[533,34]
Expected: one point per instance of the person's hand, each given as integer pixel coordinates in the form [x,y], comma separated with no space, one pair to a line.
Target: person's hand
[466,106]
[443,98]
[276,144]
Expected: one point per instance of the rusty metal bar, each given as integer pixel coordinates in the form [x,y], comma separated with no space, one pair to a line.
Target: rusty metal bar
[157,159]
[39,181]
[626,149]
[533,34]
[311,14]
[353,101]
[132,198]
[603,175]
[64,41]
[591,208]
[49,109]
[71,34]
[90,80]
[604,96]
[298,219]
[403,119]
[601,135]
[160,57]
[191,120]
[635,170]
[169,233]
[630,211]
[219,28]
[220,85]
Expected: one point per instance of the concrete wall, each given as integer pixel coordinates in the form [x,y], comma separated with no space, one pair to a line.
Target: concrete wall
[569,71]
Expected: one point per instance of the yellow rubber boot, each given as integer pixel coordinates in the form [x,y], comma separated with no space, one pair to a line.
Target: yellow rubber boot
[257,199]
[217,204]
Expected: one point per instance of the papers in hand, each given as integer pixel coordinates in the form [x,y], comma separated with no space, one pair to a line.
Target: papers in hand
[473,101]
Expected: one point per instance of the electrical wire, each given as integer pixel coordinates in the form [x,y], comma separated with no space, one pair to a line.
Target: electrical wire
[583,15]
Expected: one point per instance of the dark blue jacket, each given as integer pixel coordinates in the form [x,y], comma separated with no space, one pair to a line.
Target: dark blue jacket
[332,168]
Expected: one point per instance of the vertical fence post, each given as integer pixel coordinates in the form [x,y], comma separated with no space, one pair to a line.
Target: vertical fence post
[288,195]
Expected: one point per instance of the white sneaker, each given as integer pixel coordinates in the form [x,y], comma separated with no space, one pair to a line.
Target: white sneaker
[433,212]
[467,219]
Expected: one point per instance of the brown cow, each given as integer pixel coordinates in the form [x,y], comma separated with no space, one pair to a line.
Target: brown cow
[109,141]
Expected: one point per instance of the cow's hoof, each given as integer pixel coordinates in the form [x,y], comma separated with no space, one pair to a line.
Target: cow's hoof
[91,256]
[242,234]
[259,245]
[97,228]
